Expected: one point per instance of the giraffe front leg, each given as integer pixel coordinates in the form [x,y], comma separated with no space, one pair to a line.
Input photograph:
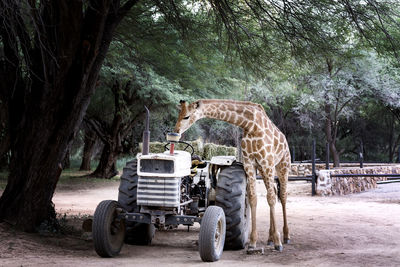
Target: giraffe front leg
[252,195]
[252,249]
[251,191]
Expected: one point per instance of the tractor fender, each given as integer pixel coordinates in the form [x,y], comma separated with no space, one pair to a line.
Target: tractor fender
[223,160]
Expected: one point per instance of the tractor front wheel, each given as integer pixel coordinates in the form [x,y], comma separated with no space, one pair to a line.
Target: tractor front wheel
[108,229]
[212,234]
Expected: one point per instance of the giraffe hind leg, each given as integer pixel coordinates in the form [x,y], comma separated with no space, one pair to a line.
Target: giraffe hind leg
[251,191]
[283,173]
[274,235]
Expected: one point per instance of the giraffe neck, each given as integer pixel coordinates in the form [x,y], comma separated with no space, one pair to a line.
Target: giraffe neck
[239,113]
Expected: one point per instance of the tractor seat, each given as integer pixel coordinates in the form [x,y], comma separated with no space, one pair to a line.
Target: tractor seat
[197,163]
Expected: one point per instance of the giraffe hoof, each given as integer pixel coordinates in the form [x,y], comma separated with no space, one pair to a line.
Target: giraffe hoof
[286,241]
[279,248]
[253,250]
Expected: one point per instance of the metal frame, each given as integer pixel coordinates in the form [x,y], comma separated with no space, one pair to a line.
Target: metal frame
[390,175]
[313,174]
[391,178]
[169,219]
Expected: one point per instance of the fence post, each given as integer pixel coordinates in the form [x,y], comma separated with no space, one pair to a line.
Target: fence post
[314,176]
[327,156]
[361,155]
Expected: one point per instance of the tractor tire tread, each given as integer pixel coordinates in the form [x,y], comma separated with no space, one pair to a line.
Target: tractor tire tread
[100,233]
[231,196]
[136,233]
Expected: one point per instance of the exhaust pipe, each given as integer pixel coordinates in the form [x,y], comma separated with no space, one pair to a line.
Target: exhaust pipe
[146,134]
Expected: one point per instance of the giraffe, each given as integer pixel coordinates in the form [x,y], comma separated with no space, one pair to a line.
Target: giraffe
[264,147]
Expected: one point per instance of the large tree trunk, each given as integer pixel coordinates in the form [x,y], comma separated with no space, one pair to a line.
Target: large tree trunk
[331,127]
[90,142]
[65,61]
[112,148]
[335,154]
[107,167]
[66,164]
[396,114]
[111,138]
[5,143]
[330,136]
[113,135]
[393,139]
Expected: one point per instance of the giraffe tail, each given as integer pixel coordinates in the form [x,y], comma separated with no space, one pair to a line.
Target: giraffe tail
[278,190]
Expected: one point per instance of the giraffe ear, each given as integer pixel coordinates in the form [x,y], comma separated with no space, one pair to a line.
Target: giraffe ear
[197,104]
[181,104]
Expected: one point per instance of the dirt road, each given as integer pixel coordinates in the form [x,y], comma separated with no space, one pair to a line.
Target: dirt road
[355,230]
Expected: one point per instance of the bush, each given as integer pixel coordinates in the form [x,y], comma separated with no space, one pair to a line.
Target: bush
[206,151]
[211,150]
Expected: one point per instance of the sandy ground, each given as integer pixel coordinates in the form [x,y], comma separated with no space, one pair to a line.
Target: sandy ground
[354,230]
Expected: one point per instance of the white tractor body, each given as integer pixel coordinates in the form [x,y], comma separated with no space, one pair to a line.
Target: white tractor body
[160,176]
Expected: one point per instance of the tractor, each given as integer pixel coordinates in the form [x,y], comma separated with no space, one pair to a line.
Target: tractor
[165,190]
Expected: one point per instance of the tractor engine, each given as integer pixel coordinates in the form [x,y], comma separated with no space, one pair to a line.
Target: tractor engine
[162,180]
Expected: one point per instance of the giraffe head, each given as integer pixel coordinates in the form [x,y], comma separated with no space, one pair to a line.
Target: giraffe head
[189,114]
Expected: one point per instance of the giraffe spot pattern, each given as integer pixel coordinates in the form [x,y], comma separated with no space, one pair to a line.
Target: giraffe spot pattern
[263,147]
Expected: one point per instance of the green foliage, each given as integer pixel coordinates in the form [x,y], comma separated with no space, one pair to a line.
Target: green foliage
[193,61]
[267,52]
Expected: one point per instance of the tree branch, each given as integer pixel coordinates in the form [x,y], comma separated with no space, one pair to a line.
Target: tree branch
[98,128]
[124,9]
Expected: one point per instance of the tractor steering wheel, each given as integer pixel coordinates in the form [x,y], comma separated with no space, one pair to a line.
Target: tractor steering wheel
[167,146]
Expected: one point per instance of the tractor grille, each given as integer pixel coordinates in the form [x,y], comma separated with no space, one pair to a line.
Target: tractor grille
[158,191]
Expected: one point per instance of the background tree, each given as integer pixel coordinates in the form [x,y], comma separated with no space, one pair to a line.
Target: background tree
[5,141]
[383,79]
[334,93]
[52,52]
[90,140]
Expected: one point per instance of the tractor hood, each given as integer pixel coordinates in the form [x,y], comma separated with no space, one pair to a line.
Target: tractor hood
[164,164]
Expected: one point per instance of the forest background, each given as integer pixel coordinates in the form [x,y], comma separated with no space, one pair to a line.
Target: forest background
[75,78]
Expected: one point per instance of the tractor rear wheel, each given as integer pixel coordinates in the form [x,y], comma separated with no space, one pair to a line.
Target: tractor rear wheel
[136,233]
[127,194]
[140,234]
[108,229]
[231,196]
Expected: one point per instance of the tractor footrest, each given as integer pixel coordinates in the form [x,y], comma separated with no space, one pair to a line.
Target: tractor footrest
[169,219]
